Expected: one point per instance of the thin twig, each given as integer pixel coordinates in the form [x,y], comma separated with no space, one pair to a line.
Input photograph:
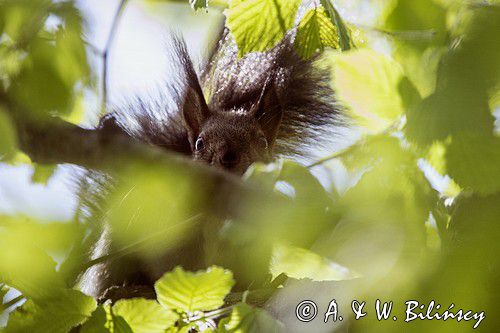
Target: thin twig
[133,247]
[105,54]
[395,126]
[211,315]
[94,48]
[402,34]
[11,303]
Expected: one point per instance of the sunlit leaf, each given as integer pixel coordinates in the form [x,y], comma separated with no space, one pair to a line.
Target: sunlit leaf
[190,292]
[57,315]
[246,319]
[198,4]
[8,139]
[384,211]
[257,25]
[99,322]
[16,18]
[369,83]
[103,320]
[315,32]
[43,173]
[466,75]
[28,268]
[265,175]
[344,33]
[418,45]
[145,316]
[300,263]
[152,207]
[473,162]
[3,291]
[50,236]
[56,61]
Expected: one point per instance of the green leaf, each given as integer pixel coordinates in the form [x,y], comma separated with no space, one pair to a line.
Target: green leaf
[145,316]
[419,55]
[190,292]
[17,18]
[300,263]
[55,64]
[99,322]
[369,84]
[162,205]
[344,34]
[315,32]
[246,319]
[3,291]
[57,315]
[473,161]
[43,173]
[265,175]
[27,268]
[466,75]
[385,210]
[56,237]
[257,25]
[103,320]
[304,183]
[8,137]
[198,4]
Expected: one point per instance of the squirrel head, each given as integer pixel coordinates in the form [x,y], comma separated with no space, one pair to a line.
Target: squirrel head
[232,139]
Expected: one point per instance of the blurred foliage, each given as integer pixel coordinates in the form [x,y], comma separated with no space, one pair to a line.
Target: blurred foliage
[427,104]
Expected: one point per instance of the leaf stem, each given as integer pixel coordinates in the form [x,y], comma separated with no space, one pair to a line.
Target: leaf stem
[105,54]
[402,34]
[395,126]
[11,303]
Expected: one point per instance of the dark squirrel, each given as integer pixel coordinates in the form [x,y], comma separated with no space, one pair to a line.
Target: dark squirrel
[259,107]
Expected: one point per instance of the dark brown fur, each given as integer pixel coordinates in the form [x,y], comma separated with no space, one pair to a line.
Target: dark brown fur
[259,107]
[274,96]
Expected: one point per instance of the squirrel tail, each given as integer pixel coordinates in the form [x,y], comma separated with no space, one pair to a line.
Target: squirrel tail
[310,109]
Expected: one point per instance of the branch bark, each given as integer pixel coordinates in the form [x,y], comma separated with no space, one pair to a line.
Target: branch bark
[55,141]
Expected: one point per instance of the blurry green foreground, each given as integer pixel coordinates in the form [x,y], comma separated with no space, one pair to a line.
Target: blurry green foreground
[415,214]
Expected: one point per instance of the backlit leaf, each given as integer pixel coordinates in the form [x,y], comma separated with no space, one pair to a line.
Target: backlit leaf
[369,83]
[190,292]
[257,25]
[246,319]
[57,315]
[145,316]
[300,263]
[315,32]
[344,33]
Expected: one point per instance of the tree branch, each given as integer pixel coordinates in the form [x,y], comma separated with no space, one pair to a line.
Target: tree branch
[55,141]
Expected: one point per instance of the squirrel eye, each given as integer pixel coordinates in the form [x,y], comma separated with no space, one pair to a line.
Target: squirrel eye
[199,144]
[263,142]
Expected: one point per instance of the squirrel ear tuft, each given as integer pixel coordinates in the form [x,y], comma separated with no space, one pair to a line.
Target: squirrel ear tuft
[194,108]
[195,111]
[269,112]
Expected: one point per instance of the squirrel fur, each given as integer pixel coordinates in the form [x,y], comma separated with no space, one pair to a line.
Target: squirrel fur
[237,111]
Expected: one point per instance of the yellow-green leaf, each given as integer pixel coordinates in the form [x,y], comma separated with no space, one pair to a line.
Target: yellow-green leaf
[145,316]
[315,32]
[57,315]
[246,319]
[300,263]
[369,84]
[190,292]
[257,25]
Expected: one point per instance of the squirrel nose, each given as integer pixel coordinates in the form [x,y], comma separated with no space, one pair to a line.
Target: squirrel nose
[230,158]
